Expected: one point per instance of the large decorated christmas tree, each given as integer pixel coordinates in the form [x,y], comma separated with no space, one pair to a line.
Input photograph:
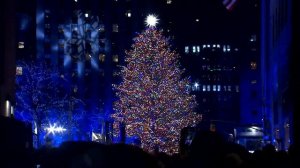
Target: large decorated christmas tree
[153,98]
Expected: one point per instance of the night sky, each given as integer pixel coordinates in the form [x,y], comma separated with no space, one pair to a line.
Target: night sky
[215,21]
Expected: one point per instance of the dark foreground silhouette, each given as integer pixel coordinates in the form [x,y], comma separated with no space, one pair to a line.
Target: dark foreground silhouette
[208,150]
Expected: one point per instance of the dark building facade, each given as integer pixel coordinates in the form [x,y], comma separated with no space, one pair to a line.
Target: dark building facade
[214,69]
[212,49]
[7,57]
[250,65]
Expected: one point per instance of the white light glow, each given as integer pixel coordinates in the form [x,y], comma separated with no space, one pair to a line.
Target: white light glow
[97,136]
[86,15]
[151,20]
[52,129]
[7,110]
[21,44]
[12,110]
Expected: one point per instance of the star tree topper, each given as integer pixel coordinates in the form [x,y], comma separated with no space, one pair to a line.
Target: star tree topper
[151,20]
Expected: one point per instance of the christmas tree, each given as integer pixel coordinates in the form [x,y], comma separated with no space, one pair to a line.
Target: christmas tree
[153,99]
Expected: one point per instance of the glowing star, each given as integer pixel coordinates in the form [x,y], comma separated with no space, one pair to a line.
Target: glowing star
[52,129]
[151,20]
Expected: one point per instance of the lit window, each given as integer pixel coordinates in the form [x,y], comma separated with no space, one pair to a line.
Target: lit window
[128,13]
[102,57]
[214,46]
[204,88]
[101,28]
[186,49]
[219,88]
[86,15]
[229,88]
[19,70]
[21,44]
[115,58]
[169,1]
[224,48]
[218,45]
[197,20]
[253,38]
[115,28]
[253,82]
[214,88]
[208,88]
[196,85]
[76,0]
[198,49]
[228,47]
[208,46]
[253,65]
[75,89]
[237,89]
[194,49]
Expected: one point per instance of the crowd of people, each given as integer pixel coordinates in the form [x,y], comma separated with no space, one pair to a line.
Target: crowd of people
[207,150]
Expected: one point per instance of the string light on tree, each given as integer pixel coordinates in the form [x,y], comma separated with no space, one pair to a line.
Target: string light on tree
[153,99]
[151,20]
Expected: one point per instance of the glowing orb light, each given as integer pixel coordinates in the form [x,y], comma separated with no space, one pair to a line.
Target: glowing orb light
[52,129]
[151,20]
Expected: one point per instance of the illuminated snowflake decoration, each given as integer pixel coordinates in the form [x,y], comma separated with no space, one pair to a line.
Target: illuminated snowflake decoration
[52,129]
[151,20]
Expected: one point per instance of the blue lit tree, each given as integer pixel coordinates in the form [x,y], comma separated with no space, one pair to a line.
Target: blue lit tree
[42,98]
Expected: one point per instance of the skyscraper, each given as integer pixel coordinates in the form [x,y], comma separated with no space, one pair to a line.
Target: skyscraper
[276,38]
[214,68]
[7,57]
